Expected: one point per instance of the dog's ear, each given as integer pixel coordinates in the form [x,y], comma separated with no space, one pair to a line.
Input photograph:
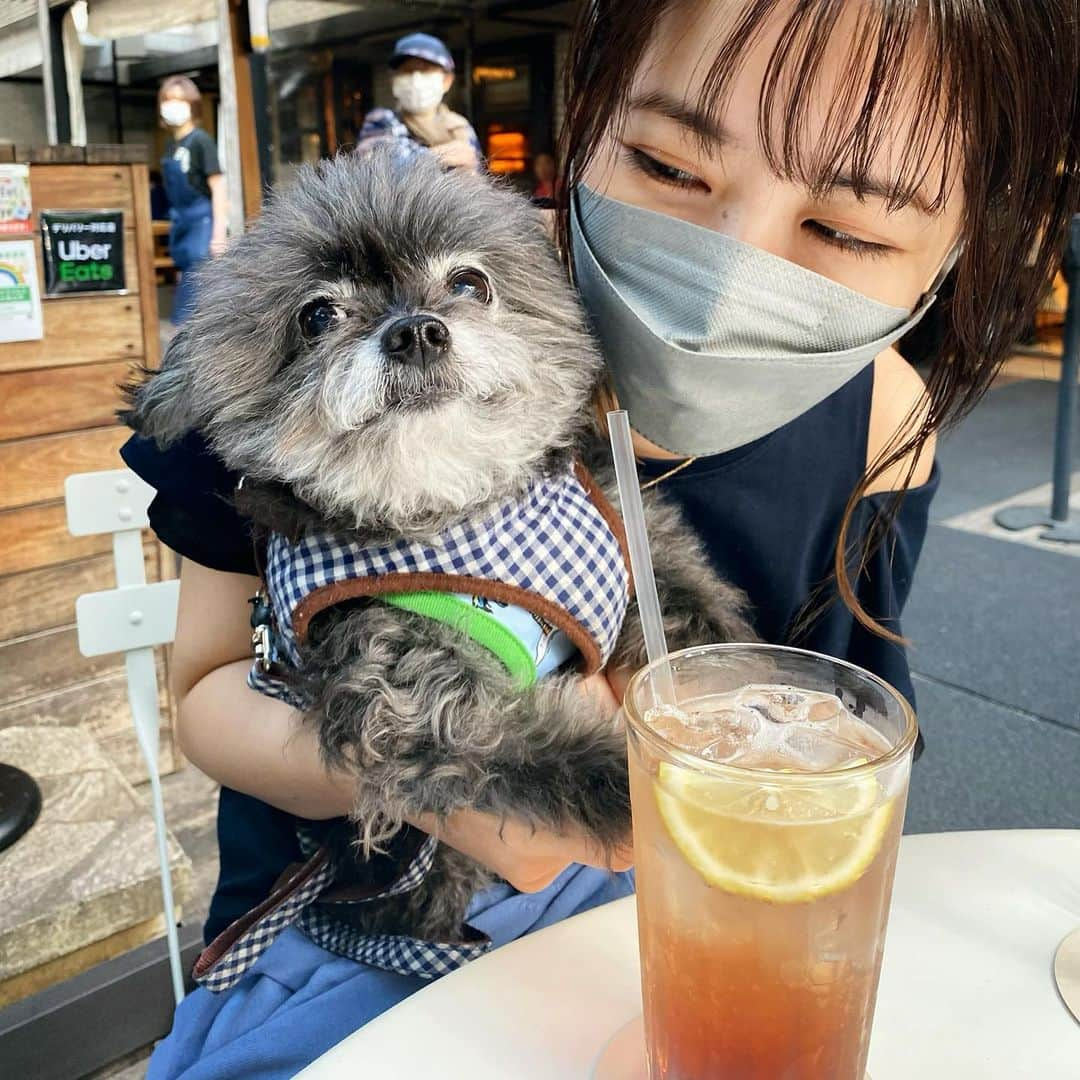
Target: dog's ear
[161,404]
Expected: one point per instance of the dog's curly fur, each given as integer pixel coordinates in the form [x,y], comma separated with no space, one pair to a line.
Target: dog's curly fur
[331,433]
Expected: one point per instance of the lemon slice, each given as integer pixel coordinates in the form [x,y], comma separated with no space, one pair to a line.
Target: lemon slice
[786,843]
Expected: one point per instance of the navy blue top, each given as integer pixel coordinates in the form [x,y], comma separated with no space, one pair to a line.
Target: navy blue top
[768,513]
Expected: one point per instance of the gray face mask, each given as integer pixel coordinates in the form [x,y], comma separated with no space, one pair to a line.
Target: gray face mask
[712,343]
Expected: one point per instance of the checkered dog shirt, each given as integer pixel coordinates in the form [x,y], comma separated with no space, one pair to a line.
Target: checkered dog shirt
[557,551]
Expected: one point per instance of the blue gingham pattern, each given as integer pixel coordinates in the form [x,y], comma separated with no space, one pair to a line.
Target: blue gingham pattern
[552,541]
[391,952]
[247,948]
[384,125]
[405,955]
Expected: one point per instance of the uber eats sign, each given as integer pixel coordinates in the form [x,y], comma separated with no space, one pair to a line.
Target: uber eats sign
[83,251]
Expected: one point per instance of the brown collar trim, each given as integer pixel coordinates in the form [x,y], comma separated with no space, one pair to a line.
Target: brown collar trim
[336,592]
[355,588]
[292,878]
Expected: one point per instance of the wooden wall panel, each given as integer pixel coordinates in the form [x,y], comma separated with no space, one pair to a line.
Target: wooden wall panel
[41,663]
[144,226]
[44,599]
[34,470]
[57,403]
[131,262]
[81,187]
[80,330]
[38,536]
[52,400]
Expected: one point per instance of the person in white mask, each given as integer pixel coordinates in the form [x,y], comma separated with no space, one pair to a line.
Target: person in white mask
[423,72]
[195,186]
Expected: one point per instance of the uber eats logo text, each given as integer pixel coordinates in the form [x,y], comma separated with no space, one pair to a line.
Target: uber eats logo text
[83,250]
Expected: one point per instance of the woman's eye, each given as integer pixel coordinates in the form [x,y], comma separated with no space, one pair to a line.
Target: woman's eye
[845,242]
[318,317]
[665,174]
[470,285]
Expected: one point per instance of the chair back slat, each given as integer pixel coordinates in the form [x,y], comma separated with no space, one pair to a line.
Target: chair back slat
[131,619]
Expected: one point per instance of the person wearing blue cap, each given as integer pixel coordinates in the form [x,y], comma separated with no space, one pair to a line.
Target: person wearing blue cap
[423,74]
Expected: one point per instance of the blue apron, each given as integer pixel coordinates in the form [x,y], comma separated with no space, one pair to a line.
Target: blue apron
[192,219]
[298,1000]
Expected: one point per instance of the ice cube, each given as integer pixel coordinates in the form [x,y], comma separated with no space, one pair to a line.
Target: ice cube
[788,704]
[679,727]
[817,750]
[718,732]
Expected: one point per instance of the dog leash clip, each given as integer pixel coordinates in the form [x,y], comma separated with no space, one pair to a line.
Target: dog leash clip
[261,632]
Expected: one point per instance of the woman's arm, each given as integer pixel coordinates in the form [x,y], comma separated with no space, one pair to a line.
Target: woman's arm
[260,746]
[243,739]
[219,202]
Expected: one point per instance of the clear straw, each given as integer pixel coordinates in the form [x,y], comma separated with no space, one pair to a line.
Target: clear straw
[637,538]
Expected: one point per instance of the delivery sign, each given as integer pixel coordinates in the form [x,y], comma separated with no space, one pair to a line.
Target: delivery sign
[83,251]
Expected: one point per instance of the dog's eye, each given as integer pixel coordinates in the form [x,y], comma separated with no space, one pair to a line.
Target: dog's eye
[470,284]
[318,317]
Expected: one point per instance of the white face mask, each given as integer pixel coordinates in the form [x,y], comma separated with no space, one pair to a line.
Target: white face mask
[175,113]
[419,91]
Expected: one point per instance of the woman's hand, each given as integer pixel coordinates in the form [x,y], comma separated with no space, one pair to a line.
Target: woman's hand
[529,859]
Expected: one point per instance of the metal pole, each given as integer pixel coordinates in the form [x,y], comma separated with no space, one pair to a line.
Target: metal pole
[260,103]
[45,33]
[259,34]
[1063,524]
[1070,361]
[118,111]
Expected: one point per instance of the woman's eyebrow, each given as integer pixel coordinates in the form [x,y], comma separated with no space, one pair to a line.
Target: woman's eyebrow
[695,119]
[880,189]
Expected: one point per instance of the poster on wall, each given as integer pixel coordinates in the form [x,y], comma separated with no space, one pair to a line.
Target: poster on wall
[16,215]
[83,251]
[20,304]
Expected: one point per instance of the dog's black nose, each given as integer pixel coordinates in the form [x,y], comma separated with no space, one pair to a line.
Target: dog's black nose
[419,340]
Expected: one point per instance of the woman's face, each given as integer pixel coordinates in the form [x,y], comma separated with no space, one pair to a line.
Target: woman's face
[670,159]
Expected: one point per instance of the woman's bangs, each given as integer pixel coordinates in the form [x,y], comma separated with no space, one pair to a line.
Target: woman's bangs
[855,96]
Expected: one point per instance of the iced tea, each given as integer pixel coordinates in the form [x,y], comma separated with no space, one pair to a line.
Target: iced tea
[767,818]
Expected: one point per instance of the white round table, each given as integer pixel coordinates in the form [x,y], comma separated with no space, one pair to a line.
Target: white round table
[966,988]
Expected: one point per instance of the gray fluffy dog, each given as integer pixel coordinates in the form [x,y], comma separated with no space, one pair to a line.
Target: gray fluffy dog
[388,349]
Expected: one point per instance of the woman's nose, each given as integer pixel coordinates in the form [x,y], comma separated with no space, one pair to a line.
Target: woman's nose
[756,213]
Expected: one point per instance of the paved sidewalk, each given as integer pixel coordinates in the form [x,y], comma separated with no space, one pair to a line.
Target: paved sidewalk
[994,623]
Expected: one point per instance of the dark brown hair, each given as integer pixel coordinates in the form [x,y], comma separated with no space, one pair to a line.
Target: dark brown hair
[188,91]
[1000,76]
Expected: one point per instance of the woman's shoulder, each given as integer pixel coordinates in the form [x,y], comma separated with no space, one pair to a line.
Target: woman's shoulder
[898,406]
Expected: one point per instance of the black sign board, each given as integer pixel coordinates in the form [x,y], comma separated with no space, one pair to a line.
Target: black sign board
[83,251]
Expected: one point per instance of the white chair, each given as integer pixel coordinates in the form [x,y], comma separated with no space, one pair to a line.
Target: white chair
[132,619]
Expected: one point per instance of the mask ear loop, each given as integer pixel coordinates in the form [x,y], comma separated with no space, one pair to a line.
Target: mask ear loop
[574,211]
[946,269]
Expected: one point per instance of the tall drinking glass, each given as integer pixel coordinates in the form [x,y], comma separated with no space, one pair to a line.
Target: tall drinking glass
[768,807]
